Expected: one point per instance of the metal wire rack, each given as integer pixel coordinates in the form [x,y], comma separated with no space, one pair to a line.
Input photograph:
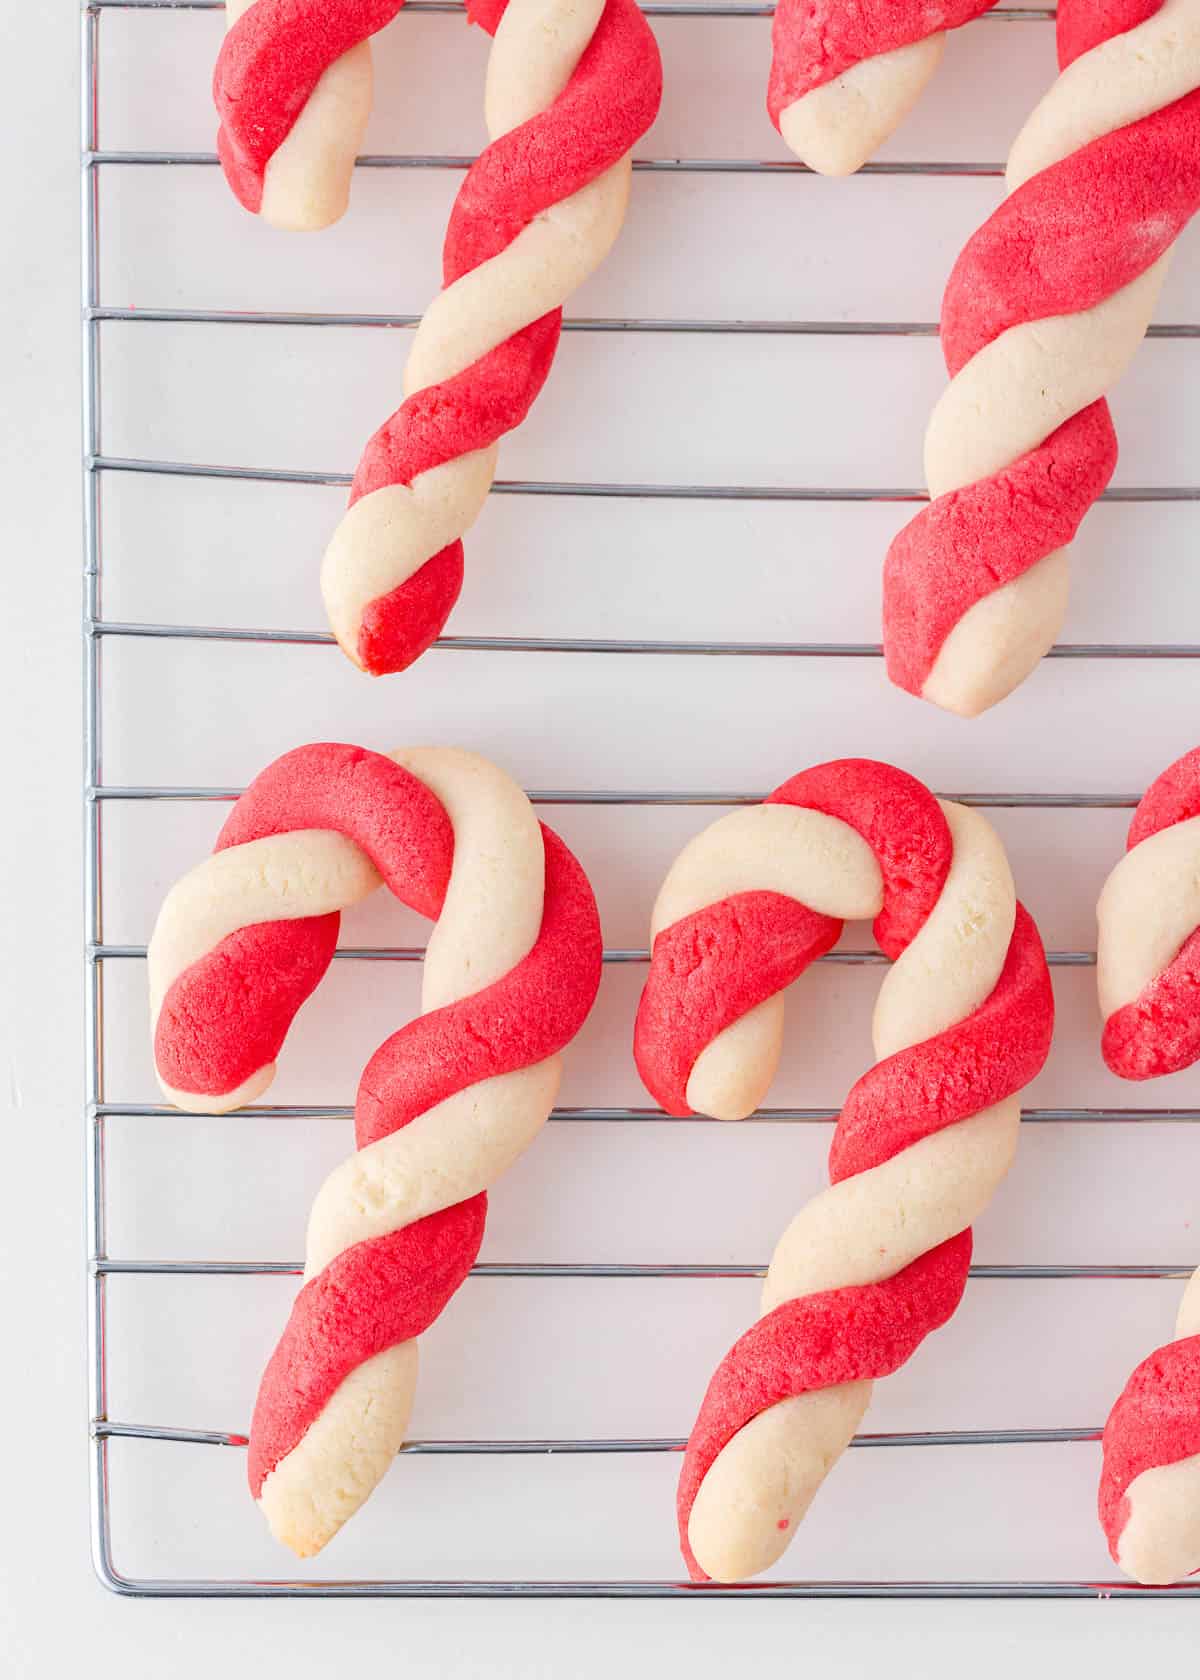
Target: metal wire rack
[100,1106]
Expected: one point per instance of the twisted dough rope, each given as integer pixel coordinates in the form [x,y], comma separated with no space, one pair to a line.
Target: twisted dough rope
[292,87]
[571,86]
[1148,976]
[844,77]
[1148,940]
[1043,312]
[962,1022]
[444,1106]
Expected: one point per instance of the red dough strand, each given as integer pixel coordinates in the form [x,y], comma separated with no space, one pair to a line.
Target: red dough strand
[714,967]
[815,41]
[1173,797]
[962,1071]
[1156,1422]
[902,823]
[819,1341]
[368,1299]
[996,529]
[269,64]
[1072,236]
[1159,1032]
[530,1014]
[1084,24]
[709,970]
[229,1013]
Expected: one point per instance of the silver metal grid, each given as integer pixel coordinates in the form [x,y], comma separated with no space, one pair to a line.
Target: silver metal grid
[102,1265]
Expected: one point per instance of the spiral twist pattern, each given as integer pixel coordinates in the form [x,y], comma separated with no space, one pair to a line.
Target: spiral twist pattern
[843,77]
[1148,933]
[571,86]
[292,87]
[444,1106]
[1043,312]
[963,1021]
[1148,977]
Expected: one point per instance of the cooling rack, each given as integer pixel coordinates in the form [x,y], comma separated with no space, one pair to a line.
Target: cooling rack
[103,956]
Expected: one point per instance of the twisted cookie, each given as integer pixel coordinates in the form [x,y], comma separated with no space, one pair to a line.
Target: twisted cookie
[1148,944]
[292,89]
[1043,312]
[444,1106]
[571,86]
[1148,973]
[844,76]
[962,1022]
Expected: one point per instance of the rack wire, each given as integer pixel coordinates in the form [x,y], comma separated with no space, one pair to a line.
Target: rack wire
[99,953]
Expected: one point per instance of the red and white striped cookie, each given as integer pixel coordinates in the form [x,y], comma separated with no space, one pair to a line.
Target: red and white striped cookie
[444,1106]
[844,76]
[963,1021]
[1043,313]
[1150,1484]
[292,89]
[1148,933]
[1148,977]
[571,85]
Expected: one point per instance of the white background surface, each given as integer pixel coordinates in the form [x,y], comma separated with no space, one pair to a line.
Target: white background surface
[598,1358]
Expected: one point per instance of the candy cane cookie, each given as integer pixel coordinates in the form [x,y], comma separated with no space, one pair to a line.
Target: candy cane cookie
[571,86]
[1043,312]
[1148,979]
[292,87]
[1148,933]
[844,76]
[963,1021]
[444,1106]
